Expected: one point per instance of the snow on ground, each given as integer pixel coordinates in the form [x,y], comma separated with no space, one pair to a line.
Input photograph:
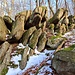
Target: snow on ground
[70,38]
[33,60]
[14,71]
[38,58]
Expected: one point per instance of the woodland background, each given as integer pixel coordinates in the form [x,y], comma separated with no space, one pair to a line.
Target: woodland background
[11,7]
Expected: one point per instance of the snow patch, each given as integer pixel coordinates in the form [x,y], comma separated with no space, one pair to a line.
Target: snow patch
[20,46]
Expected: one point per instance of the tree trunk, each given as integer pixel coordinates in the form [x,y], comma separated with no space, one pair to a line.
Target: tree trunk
[37,3]
[65,4]
[50,7]
[30,5]
[56,5]
[73,6]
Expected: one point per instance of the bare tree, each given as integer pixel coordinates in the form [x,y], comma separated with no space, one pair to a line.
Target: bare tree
[50,7]
[37,3]
[73,6]
[56,5]
[30,4]
[65,3]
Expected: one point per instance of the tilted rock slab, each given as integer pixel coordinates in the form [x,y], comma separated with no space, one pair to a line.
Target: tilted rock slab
[4,49]
[43,12]
[18,28]
[42,42]
[6,60]
[26,14]
[24,58]
[8,21]
[34,38]
[3,30]
[57,16]
[27,34]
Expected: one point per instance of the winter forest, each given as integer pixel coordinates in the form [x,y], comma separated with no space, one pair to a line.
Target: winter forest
[11,7]
[37,37]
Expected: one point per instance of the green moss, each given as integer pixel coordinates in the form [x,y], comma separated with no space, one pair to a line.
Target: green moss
[55,37]
[4,71]
[71,48]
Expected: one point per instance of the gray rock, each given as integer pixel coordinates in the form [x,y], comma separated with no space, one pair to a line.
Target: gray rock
[34,38]
[43,12]
[54,42]
[64,62]
[8,21]
[3,30]
[42,42]
[27,34]
[18,27]
[4,49]
[71,19]
[6,60]
[34,20]
[57,16]
[24,58]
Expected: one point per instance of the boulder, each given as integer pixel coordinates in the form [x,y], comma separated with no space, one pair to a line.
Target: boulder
[71,19]
[8,21]
[4,49]
[3,30]
[34,20]
[41,42]
[51,28]
[24,58]
[27,15]
[34,38]
[57,16]
[54,41]
[71,26]
[6,61]
[43,26]
[64,62]
[43,12]
[27,34]
[62,29]
[18,27]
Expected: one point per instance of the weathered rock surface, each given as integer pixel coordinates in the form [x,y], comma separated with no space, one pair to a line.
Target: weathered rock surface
[6,60]
[8,21]
[64,62]
[34,20]
[3,49]
[38,16]
[54,42]
[34,38]
[51,28]
[26,14]
[57,16]
[18,27]
[71,19]
[42,42]
[3,30]
[71,26]
[24,58]
[27,34]
[43,12]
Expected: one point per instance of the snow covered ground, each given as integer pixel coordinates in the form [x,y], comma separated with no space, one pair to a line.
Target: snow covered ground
[33,61]
[36,59]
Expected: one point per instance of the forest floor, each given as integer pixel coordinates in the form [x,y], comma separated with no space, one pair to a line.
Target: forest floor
[40,63]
